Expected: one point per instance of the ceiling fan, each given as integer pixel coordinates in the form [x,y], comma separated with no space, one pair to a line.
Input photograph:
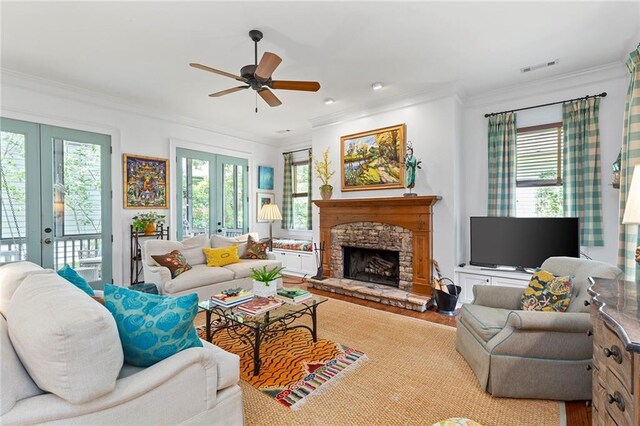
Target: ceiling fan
[258,76]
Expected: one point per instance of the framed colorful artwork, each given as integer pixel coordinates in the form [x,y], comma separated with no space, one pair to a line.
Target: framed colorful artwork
[373,159]
[146,182]
[265,177]
[263,198]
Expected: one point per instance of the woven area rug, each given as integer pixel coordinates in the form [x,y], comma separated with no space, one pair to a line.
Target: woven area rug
[294,368]
[413,376]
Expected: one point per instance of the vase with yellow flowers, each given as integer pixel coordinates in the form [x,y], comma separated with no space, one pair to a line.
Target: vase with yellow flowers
[324,174]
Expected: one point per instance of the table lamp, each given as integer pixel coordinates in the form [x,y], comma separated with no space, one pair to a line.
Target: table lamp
[271,213]
[632,207]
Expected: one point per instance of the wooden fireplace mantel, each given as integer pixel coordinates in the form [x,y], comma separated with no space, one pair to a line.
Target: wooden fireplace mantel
[413,213]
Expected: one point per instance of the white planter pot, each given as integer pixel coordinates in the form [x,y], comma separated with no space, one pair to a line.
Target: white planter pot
[263,290]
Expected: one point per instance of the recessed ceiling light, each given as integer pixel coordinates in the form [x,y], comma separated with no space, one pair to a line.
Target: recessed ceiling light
[376,86]
[329,101]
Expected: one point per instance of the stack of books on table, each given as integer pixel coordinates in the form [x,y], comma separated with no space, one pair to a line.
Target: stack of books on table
[259,305]
[229,301]
[293,295]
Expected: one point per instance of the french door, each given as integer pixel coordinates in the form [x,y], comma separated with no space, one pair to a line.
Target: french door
[212,194]
[55,198]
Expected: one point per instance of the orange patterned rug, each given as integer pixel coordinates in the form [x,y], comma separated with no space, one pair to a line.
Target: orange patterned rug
[294,368]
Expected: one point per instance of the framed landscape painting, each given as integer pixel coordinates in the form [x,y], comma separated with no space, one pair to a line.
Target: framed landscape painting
[373,159]
[265,177]
[146,182]
[263,198]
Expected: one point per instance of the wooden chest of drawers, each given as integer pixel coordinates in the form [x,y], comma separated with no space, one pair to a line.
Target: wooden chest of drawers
[616,355]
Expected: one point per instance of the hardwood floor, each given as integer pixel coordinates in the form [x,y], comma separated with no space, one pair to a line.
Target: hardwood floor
[578,414]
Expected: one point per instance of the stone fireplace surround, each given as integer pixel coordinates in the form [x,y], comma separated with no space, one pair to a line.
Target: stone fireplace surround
[374,235]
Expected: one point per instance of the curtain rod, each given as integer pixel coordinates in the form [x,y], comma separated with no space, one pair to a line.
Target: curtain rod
[297,150]
[601,95]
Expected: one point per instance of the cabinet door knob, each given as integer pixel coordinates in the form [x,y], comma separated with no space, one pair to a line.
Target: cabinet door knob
[588,367]
[587,303]
[618,399]
[589,333]
[613,352]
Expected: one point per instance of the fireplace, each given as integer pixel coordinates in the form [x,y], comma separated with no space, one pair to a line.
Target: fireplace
[372,265]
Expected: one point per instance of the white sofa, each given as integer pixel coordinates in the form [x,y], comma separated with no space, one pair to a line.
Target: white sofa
[201,279]
[62,363]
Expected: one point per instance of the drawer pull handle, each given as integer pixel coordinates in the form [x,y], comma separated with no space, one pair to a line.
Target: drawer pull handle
[618,399]
[588,367]
[613,352]
[589,333]
[587,303]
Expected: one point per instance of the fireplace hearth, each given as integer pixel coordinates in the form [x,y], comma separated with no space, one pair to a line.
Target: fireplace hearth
[372,265]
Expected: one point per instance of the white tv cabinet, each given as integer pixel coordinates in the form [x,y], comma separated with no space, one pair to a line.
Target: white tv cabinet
[296,262]
[468,276]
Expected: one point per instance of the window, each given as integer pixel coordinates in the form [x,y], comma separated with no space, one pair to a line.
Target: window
[539,191]
[301,196]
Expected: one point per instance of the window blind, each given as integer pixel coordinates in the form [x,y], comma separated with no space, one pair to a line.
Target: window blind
[539,156]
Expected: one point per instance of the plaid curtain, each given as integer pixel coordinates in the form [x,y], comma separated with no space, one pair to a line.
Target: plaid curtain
[310,192]
[287,193]
[581,168]
[628,238]
[502,164]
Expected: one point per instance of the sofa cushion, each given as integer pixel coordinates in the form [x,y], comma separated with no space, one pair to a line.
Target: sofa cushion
[242,269]
[546,292]
[152,327]
[218,241]
[221,256]
[486,322]
[191,249]
[15,383]
[174,261]
[61,335]
[70,274]
[198,276]
[256,249]
[11,276]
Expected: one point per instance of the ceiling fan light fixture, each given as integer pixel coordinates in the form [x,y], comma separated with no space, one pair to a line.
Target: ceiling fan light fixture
[329,101]
[377,85]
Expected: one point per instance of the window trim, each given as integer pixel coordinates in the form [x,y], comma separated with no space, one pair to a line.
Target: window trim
[543,182]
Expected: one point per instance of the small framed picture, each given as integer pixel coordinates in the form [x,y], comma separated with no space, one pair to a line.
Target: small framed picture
[263,198]
[146,182]
[265,177]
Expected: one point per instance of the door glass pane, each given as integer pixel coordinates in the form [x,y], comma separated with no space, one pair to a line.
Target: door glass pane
[195,196]
[240,196]
[77,207]
[13,197]
[229,197]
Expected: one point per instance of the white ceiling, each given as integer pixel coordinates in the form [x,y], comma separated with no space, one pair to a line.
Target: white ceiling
[140,51]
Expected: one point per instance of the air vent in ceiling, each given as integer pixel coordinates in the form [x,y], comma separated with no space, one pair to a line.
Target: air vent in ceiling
[537,67]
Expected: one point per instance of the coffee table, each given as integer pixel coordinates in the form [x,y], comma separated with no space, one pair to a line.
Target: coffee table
[255,330]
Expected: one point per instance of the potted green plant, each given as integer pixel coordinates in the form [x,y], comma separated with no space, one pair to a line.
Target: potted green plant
[146,222]
[264,281]
[323,173]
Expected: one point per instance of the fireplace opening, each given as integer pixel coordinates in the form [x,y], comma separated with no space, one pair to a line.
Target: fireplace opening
[372,265]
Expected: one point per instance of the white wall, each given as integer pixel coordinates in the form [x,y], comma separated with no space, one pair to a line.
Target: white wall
[131,133]
[614,81]
[431,127]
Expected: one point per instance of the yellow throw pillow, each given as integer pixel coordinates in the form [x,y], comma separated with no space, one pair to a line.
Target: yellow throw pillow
[221,256]
[547,292]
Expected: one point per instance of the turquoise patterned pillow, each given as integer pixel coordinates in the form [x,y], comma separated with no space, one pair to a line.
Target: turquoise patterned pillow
[71,275]
[152,327]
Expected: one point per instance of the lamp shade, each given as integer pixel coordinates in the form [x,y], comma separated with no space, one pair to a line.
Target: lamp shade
[632,207]
[269,212]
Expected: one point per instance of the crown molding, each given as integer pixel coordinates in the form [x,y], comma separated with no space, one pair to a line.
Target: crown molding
[75,93]
[391,103]
[610,71]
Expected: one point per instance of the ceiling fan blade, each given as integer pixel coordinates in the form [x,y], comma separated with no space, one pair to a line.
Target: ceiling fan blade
[307,86]
[267,65]
[215,71]
[269,97]
[226,92]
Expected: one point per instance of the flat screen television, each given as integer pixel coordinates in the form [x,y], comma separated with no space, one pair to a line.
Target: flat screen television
[522,242]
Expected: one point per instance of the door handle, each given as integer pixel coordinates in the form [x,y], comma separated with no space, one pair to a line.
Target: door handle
[219,230]
[47,240]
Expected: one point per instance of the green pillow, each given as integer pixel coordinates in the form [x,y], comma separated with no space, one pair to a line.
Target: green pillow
[70,274]
[152,327]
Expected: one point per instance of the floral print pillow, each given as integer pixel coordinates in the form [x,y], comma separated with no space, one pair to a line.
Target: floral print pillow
[547,292]
[175,261]
[256,249]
